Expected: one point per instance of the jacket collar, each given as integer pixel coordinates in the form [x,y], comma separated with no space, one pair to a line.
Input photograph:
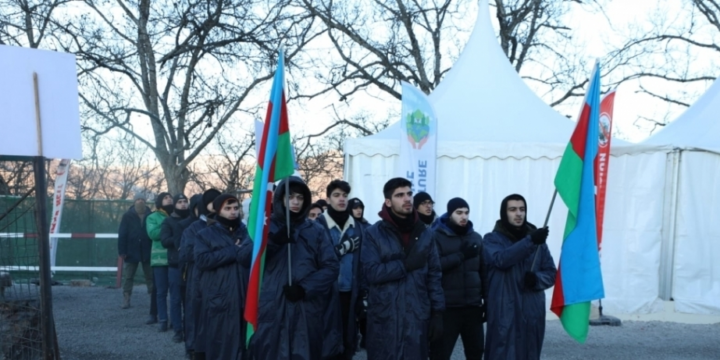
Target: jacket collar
[331,223]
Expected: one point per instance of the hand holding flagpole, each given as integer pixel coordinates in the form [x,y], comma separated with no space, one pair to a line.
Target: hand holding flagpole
[547,218]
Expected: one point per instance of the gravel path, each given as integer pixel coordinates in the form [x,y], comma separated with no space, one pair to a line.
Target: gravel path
[91,325]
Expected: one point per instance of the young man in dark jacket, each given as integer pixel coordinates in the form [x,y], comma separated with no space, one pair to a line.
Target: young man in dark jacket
[463,281]
[193,322]
[170,234]
[402,270]
[346,236]
[301,305]
[134,247]
[425,207]
[516,297]
[223,281]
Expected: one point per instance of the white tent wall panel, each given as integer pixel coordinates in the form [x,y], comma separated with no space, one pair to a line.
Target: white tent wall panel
[633,219]
[696,281]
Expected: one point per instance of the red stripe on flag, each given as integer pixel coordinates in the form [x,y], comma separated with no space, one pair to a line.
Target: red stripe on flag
[253,294]
[284,123]
[579,136]
[558,298]
[266,131]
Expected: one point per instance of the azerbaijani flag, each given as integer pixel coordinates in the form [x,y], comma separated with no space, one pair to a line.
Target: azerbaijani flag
[275,161]
[579,279]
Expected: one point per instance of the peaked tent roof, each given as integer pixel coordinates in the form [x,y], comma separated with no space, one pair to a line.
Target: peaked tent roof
[483,106]
[697,128]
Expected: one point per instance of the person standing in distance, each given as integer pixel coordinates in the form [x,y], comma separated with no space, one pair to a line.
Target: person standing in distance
[516,297]
[134,247]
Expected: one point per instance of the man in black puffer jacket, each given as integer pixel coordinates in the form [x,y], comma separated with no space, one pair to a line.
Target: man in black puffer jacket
[170,233]
[463,282]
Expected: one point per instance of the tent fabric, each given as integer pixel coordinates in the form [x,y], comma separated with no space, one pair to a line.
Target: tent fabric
[500,138]
[697,128]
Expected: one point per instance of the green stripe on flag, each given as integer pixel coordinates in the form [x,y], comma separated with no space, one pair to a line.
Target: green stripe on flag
[284,162]
[575,319]
[568,179]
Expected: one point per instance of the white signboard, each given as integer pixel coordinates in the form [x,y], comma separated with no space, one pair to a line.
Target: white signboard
[58,98]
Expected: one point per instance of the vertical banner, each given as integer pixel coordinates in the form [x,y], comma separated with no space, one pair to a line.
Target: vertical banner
[61,175]
[418,140]
[602,160]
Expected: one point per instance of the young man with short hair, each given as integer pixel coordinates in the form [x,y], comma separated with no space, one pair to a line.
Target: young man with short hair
[516,297]
[402,270]
[346,237]
[463,279]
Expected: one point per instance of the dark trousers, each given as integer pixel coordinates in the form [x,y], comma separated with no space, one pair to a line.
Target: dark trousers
[161,291]
[175,281]
[465,322]
[345,311]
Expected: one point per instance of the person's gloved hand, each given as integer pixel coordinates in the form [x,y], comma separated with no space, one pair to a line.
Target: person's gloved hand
[436,326]
[469,250]
[540,235]
[361,305]
[415,261]
[280,236]
[294,292]
[530,280]
[348,245]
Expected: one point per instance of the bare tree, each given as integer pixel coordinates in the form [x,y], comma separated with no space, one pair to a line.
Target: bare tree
[232,170]
[173,74]
[27,23]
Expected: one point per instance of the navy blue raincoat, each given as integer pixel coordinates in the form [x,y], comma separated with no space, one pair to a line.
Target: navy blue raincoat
[223,285]
[399,303]
[193,323]
[288,330]
[515,314]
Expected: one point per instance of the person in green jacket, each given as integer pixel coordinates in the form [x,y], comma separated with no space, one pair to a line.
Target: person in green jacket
[158,254]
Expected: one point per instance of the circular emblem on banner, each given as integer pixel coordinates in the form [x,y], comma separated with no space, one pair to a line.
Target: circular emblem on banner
[62,167]
[604,133]
[417,125]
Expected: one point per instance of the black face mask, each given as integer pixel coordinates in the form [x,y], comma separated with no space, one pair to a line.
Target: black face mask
[168,208]
[229,224]
[182,213]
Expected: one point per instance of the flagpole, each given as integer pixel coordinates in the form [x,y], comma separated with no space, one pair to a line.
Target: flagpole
[547,218]
[287,223]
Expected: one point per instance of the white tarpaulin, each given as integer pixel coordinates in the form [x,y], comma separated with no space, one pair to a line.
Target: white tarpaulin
[496,137]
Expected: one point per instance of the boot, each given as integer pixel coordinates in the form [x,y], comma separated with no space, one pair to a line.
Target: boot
[178,337]
[126,301]
[151,320]
[163,326]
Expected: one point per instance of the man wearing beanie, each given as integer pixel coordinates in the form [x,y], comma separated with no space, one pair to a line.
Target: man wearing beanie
[222,281]
[346,237]
[357,211]
[402,271]
[516,289]
[292,315]
[463,281]
[424,205]
[315,211]
[170,234]
[134,247]
[193,323]
[158,255]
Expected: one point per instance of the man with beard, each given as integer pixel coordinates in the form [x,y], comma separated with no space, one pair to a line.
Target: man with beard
[170,234]
[346,236]
[290,315]
[516,298]
[158,255]
[223,281]
[193,322]
[463,280]
[134,247]
[403,275]
[424,205]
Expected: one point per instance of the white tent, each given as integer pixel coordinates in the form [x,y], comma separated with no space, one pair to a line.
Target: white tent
[496,137]
[693,145]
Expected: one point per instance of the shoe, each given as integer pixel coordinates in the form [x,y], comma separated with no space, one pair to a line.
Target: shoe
[178,337]
[151,320]
[163,326]
[126,301]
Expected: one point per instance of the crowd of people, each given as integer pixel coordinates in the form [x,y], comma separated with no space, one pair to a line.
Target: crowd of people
[406,287]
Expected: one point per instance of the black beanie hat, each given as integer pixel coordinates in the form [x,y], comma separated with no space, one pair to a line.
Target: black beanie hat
[221,200]
[159,199]
[321,203]
[179,197]
[355,202]
[456,203]
[420,198]
[208,197]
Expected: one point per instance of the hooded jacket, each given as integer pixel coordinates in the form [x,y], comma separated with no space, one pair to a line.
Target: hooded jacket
[153,224]
[133,240]
[463,280]
[315,267]
[400,303]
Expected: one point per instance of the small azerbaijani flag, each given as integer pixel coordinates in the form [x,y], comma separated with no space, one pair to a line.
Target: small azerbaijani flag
[275,161]
[579,279]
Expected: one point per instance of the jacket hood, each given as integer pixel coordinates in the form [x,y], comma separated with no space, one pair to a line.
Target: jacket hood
[441,224]
[195,201]
[278,205]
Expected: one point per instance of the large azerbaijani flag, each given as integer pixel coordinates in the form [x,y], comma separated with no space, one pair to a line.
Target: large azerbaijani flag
[579,279]
[275,161]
